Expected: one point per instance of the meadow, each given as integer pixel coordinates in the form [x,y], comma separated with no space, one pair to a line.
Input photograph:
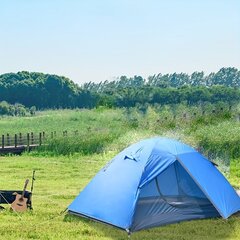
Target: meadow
[66,165]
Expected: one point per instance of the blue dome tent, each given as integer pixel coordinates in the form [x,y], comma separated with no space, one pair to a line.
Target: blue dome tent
[155,182]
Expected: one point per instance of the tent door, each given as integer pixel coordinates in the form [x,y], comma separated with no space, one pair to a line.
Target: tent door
[171,197]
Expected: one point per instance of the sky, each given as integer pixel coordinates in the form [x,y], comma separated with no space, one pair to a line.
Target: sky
[98,40]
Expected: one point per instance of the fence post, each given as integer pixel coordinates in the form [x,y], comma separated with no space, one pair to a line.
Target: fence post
[28,141]
[40,139]
[32,140]
[51,134]
[2,141]
[8,140]
[43,135]
[15,140]
[20,138]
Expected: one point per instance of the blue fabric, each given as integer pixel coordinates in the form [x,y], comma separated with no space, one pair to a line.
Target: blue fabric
[212,182]
[113,194]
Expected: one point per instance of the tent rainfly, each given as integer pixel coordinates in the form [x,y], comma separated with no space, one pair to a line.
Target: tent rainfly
[155,182]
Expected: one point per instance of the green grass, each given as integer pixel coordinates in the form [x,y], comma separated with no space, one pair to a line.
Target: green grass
[60,120]
[220,137]
[58,181]
[66,165]
[235,173]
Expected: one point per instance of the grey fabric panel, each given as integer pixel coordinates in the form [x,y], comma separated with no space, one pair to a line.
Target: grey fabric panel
[171,197]
[155,211]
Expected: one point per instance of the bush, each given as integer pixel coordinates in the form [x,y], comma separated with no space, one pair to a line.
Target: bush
[15,110]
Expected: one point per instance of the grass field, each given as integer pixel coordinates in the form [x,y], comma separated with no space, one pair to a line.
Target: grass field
[61,120]
[62,174]
[58,181]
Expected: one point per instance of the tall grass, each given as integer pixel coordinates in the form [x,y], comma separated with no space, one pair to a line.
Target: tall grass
[105,129]
[60,120]
[84,144]
[235,173]
[223,138]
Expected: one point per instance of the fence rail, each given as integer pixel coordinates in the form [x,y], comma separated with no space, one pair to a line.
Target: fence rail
[17,143]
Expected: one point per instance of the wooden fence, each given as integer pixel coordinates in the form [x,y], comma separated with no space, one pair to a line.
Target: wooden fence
[17,143]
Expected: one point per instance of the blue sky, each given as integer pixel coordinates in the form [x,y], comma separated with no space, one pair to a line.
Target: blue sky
[95,40]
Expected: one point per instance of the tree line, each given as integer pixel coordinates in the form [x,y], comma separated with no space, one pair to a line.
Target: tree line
[46,91]
[228,77]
